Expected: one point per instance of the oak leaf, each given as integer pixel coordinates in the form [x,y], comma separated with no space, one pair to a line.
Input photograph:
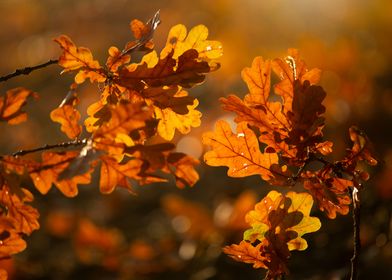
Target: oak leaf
[114,174]
[79,58]
[179,41]
[116,59]
[289,70]
[125,117]
[68,116]
[11,243]
[239,151]
[284,215]
[11,105]
[53,164]
[170,120]
[330,193]
[24,217]
[362,148]
[247,253]
[184,169]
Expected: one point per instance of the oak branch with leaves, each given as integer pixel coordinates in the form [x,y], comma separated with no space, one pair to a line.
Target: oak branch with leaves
[279,141]
[129,128]
[128,134]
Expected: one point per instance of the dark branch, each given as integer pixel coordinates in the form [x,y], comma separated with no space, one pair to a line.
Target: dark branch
[27,70]
[77,142]
[357,238]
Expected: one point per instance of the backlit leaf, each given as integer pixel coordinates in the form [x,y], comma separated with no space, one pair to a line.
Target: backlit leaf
[179,42]
[239,151]
[247,253]
[68,117]
[169,120]
[114,174]
[25,217]
[79,58]
[11,105]
[53,164]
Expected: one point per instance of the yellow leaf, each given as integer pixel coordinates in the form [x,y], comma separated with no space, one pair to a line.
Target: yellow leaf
[169,120]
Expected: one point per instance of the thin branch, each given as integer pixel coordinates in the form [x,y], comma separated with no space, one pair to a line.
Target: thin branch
[76,142]
[357,238]
[27,70]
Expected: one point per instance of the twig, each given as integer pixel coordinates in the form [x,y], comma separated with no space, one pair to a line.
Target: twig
[76,142]
[27,70]
[357,238]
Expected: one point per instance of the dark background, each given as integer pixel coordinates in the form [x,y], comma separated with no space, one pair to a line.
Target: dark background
[349,40]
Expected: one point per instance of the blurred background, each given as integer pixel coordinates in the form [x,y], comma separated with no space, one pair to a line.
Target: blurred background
[165,233]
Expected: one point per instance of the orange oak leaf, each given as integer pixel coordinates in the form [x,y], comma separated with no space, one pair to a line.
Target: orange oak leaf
[125,118]
[159,157]
[114,174]
[10,242]
[68,116]
[257,110]
[116,59]
[139,29]
[184,169]
[11,105]
[53,164]
[239,151]
[247,253]
[24,217]
[79,58]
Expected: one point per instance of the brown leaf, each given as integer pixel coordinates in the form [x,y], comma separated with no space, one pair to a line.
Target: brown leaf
[331,194]
[306,110]
[188,71]
[288,70]
[362,148]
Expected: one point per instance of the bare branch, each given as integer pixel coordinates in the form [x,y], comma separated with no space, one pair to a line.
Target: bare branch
[76,142]
[357,238]
[27,70]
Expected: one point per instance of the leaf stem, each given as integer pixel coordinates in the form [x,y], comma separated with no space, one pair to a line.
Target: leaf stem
[76,142]
[357,238]
[27,70]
